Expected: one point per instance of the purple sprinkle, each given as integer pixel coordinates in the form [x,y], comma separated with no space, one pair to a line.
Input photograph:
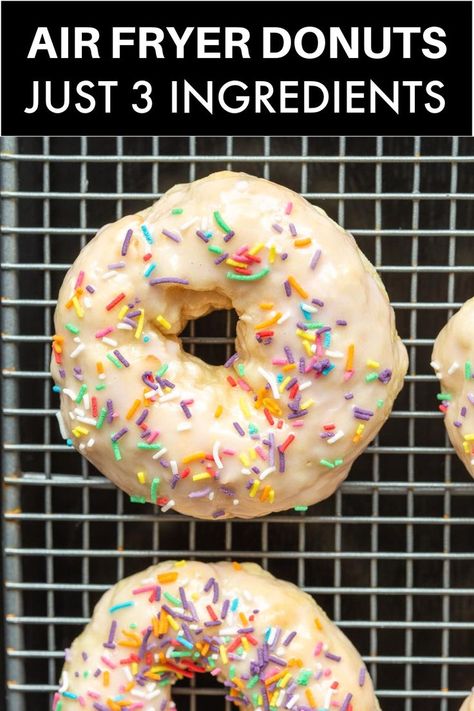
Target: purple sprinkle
[317,302]
[301,365]
[202,235]
[99,707]
[133,314]
[457,423]
[113,629]
[214,623]
[209,584]
[97,672]
[119,434]
[116,265]
[341,322]
[90,289]
[292,229]
[218,260]
[126,242]
[215,594]
[301,325]
[315,259]
[85,656]
[346,702]
[171,235]
[168,280]
[218,514]
[289,354]
[239,429]
[362,674]
[348,396]
[385,376]
[121,358]
[185,409]
[288,639]
[142,417]
[277,228]
[333,657]
[200,493]
[463,411]
[231,360]
[229,236]
[225,609]
[287,286]
[281,461]
[283,256]
[323,329]
[470,397]
[110,411]
[293,381]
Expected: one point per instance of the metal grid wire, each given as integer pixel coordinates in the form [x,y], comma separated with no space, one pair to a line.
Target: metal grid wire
[390,556]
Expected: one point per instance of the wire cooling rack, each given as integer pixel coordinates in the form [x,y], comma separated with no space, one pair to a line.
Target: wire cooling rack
[390,556]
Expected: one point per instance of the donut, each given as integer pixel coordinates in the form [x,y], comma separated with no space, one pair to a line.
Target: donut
[316,368]
[468,704]
[270,644]
[453,363]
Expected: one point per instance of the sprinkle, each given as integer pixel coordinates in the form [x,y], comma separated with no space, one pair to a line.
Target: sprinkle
[453,368]
[115,301]
[221,223]
[113,360]
[171,235]
[362,674]
[73,329]
[248,277]
[116,450]
[443,396]
[168,280]
[150,268]
[146,234]
[77,350]
[121,606]
[239,429]
[231,360]
[288,208]
[132,410]
[270,378]
[218,411]
[467,370]
[315,259]
[163,322]
[126,242]
[154,489]
[165,578]
[302,242]
[121,358]
[297,287]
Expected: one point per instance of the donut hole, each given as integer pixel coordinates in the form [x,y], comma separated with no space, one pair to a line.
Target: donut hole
[211,337]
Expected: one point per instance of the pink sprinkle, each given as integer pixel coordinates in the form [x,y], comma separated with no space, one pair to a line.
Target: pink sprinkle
[279,361]
[327,672]
[108,662]
[79,280]
[298,423]
[81,700]
[93,694]
[348,375]
[263,455]
[153,436]
[56,698]
[243,384]
[216,672]
[146,588]
[104,332]
[230,452]
[289,208]
[318,649]
[243,249]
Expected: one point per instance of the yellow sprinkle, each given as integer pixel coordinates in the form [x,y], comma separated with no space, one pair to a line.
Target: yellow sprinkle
[77,307]
[253,454]
[373,364]
[238,682]
[99,367]
[223,653]
[269,321]
[274,698]
[272,405]
[307,348]
[271,496]
[180,563]
[172,622]
[285,681]
[134,668]
[271,679]
[272,254]
[289,366]
[266,305]
[106,678]
[469,437]
[141,477]
[254,488]
[305,335]
[218,411]
[122,312]
[350,357]
[132,410]
[245,643]
[284,383]
[256,248]
[318,624]
[310,697]
[233,263]
[306,404]
[201,476]
[141,320]
[193,457]
[82,430]
[297,287]
[244,407]
[163,322]
[466,447]
[244,459]
[243,619]
[360,429]
[303,242]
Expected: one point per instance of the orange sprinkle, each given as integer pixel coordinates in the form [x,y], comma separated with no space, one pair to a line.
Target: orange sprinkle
[302,242]
[265,493]
[106,678]
[133,410]
[318,624]
[78,292]
[156,626]
[170,577]
[297,287]
[236,566]
[238,682]
[350,357]
[275,677]
[269,322]
[243,619]
[266,305]
[310,697]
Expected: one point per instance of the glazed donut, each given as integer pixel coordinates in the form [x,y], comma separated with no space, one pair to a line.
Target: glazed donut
[468,704]
[317,365]
[453,362]
[269,643]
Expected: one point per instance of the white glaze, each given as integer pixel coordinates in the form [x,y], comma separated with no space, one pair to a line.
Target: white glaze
[280,605]
[343,279]
[453,348]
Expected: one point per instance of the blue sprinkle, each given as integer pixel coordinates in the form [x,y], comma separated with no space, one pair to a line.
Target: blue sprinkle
[151,267]
[121,605]
[69,442]
[146,339]
[146,234]
[234,604]
[327,370]
[56,389]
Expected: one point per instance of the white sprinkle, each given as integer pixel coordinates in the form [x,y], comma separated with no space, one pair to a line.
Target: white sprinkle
[110,342]
[305,385]
[245,471]
[435,365]
[211,496]
[204,223]
[124,327]
[335,354]
[76,351]
[135,692]
[87,302]
[183,426]
[166,508]
[160,453]
[439,375]
[174,467]
[62,425]
[71,415]
[292,701]
[76,339]
[215,455]
[90,442]
[453,368]
[190,222]
[79,411]
[246,318]
[82,446]
[327,700]
[235,502]
[149,394]
[266,472]
[102,377]
[109,275]
[270,378]
[86,401]
[309,307]
[284,318]
[87,420]
[169,396]
[69,393]
[337,435]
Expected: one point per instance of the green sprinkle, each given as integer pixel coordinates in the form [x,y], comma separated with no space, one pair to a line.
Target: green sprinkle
[145,445]
[59,706]
[165,682]
[248,277]
[171,598]
[121,606]
[300,508]
[371,377]
[181,654]
[177,211]
[214,248]
[443,396]
[117,453]
[326,463]
[100,387]
[303,677]
[380,403]
[154,488]
[220,221]
[231,671]
[74,330]
[113,360]
[241,369]
[102,416]
[85,674]
[338,462]
[467,370]
[162,370]
[81,394]
[133,625]
[137,499]
[253,681]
